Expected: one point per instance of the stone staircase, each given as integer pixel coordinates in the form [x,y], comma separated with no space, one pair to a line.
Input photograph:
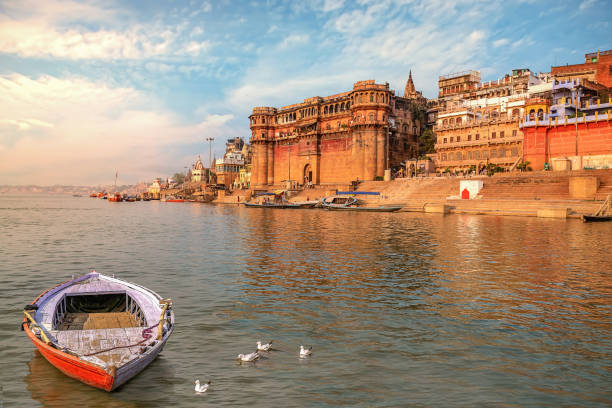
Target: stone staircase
[522,188]
[412,193]
[605,187]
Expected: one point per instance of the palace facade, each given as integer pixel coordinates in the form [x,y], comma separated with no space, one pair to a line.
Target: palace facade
[337,139]
[477,123]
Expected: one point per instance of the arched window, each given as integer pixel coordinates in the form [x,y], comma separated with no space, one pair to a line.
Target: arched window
[477,154]
[469,155]
[325,110]
[348,105]
[371,117]
[359,98]
[336,108]
[263,120]
[458,121]
[502,152]
[371,97]
[540,114]
[459,156]
[444,156]
[445,122]
[450,156]
[414,130]
[515,113]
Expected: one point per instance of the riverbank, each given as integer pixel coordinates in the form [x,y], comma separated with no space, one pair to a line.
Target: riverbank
[532,194]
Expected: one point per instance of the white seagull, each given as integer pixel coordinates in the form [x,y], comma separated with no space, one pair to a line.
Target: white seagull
[305,352]
[201,388]
[249,357]
[264,347]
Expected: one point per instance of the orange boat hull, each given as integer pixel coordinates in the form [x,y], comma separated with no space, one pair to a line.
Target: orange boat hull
[71,365]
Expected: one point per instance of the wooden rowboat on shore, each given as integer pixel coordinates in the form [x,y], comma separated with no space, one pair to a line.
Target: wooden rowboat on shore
[98,329]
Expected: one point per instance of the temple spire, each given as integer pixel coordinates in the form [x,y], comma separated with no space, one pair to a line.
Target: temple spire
[410,91]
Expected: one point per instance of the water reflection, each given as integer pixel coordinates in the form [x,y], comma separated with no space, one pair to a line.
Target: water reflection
[439,310]
[52,388]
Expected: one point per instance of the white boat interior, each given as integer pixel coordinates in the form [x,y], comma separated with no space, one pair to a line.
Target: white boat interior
[95,312]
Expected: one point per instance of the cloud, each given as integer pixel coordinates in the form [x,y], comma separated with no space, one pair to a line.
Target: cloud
[500,42]
[78,131]
[293,40]
[586,4]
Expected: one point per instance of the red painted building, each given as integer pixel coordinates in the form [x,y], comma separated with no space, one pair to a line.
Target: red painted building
[597,67]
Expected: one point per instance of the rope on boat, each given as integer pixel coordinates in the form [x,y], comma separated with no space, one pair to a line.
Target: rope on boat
[146,335]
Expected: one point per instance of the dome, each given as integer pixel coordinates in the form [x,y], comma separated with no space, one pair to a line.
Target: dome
[198,165]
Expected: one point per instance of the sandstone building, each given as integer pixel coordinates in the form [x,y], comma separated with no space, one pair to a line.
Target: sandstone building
[477,123]
[354,135]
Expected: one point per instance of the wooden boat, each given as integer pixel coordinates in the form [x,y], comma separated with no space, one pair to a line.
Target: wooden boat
[338,202]
[382,208]
[307,204]
[172,199]
[596,218]
[115,198]
[98,329]
[272,205]
[604,213]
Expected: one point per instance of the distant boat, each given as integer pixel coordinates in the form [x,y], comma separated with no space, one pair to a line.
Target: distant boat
[99,330]
[172,199]
[93,195]
[115,198]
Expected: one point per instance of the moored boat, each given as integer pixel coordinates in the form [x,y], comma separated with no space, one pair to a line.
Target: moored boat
[98,329]
[272,205]
[381,208]
[338,201]
[115,198]
[596,218]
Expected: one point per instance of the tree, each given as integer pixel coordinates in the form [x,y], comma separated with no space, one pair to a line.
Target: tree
[179,178]
[427,142]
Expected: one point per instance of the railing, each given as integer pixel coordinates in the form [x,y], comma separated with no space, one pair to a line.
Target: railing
[546,120]
[460,74]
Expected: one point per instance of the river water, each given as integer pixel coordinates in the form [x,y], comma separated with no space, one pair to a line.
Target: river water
[402,309]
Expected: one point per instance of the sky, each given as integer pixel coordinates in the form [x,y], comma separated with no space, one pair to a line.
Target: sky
[90,88]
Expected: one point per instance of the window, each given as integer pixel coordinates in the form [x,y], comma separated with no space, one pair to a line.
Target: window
[458,138]
[493,153]
[514,151]
[485,154]
[477,137]
[371,116]
[443,156]
[469,155]
[469,137]
[450,157]
[502,152]
[445,140]
[459,156]
[371,98]
[514,133]
[477,154]
[501,134]
[493,135]
[452,139]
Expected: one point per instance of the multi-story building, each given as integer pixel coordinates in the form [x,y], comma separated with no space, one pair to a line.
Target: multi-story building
[477,123]
[233,163]
[353,135]
[597,67]
[576,133]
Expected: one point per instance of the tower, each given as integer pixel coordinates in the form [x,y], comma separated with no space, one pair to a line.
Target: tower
[410,91]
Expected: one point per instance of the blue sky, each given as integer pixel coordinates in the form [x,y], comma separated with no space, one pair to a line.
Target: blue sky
[91,87]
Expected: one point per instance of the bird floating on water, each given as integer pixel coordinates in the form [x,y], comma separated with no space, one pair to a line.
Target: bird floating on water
[201,388]
[249,357]
[264,347]
[305,352]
